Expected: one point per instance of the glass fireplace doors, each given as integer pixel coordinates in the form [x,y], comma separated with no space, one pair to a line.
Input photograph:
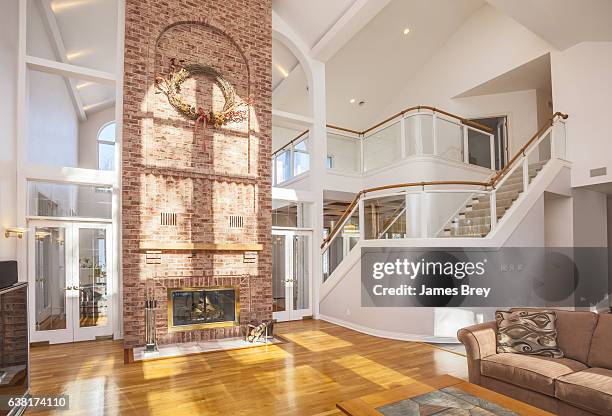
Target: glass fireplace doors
[69,273]
[291,274]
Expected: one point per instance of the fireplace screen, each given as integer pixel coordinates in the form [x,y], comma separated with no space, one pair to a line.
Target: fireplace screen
[193,308]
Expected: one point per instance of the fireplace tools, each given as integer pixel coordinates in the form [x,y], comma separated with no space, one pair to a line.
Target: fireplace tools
[150,305]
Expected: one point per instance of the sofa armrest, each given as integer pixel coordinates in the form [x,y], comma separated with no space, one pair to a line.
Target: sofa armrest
[480,342]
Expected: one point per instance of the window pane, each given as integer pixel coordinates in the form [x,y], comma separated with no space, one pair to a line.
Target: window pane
[47,199]
[107,134]
[106,156]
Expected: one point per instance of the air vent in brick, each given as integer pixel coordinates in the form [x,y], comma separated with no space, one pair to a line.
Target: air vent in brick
[236,221]
[168,218]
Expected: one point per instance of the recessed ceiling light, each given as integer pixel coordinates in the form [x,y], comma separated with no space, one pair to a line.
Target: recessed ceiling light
[352,101]
[406,31]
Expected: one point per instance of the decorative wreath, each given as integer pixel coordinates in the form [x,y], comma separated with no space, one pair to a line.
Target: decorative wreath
[233,112]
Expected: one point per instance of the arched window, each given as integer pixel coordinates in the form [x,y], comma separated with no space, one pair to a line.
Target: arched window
[106,147]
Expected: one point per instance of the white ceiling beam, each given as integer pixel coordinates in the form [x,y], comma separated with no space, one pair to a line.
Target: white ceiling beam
[69,70]
[351,22]
[57,43]
[287,117]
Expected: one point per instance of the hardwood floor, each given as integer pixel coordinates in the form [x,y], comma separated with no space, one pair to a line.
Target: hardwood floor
[321,365]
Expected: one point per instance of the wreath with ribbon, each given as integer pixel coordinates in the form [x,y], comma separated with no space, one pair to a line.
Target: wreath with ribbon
[170,86]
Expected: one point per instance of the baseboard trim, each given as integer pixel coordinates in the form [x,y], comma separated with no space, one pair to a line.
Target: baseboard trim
[398,336]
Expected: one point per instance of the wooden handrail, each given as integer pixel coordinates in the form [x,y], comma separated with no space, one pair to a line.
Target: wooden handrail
[417,108]
[490,184]
[355,200]
[401,113]
[299,136]
[500,173]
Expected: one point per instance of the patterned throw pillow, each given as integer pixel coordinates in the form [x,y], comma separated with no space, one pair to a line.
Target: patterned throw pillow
[528,332]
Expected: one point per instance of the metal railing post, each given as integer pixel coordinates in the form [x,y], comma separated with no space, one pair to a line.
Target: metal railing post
[466,145]
[361,163]
[361,212]
[403,137]
[492,150]
[525,168]
[493,207]
[419,134]
[434,132]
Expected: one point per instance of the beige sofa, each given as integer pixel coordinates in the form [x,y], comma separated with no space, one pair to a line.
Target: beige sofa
[579,384]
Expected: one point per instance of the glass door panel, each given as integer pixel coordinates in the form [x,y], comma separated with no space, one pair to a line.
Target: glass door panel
[93,294]
[301,272]
[291,274]
[50,278]
[279,273]
[93,281]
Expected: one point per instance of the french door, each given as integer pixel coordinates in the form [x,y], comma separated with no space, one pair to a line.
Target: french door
[70,280]
[291,274]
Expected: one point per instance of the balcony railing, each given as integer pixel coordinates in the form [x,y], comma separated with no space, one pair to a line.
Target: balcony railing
[291,160]
[416,131]
[424,209]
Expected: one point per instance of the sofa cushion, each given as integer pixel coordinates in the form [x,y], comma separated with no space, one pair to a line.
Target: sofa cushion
[600,354]
[590,389]
[529,371]
[528,332]
[574,332]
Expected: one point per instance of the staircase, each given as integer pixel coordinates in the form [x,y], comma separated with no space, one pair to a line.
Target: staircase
[474,218]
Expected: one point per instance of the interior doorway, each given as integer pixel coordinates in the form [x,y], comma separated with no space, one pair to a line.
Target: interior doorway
[291,274]
[70,281]
[499,125]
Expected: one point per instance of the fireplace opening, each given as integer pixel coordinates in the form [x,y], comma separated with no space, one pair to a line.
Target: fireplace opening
[193,308]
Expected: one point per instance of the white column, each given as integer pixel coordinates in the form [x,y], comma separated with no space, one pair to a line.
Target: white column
[318,171]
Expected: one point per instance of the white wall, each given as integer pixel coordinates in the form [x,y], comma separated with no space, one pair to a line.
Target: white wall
[487,45]
[88,137]
[52,121]
[8,133]
[582,87]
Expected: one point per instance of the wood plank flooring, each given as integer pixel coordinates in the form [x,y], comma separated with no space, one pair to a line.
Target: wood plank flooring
[321,365]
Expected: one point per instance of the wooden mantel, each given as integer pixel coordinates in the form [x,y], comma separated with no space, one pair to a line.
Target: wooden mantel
[188,246]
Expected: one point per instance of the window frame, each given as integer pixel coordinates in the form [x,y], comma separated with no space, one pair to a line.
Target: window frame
[107,142]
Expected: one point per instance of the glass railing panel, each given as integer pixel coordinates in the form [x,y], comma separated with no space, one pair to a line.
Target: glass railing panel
[301,158]
[426,130]
[50,199]
[457,214]
[449,139]
[479,148]
[282,166]
[412,134]
[385,217]
[559,139]
[343,153]
[539,155]
[341,244]
[382,147]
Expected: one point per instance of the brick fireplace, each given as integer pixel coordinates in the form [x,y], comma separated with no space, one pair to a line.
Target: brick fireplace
[196,202]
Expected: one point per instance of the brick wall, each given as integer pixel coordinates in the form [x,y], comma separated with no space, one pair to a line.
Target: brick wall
[203,176]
